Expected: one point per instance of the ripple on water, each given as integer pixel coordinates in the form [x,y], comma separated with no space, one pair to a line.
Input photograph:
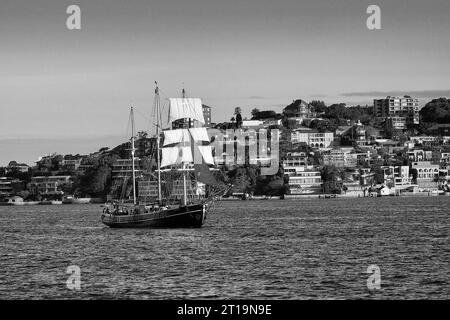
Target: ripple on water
[303,249]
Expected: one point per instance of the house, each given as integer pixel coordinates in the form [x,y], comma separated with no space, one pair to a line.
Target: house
[427,174]
[424,139]
[397,176]
[5,187]
[303,178]
[252,124]
[297,112]
[394,125]
[48,185]
[341,157]
[342,130]
[419,155]
[71,163]
[312,138]
[14,166]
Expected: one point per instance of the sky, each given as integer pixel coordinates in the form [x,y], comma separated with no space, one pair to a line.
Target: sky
[69,91]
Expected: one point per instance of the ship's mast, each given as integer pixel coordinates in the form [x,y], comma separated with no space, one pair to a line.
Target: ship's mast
[183,95]
[158,124]
[132,155]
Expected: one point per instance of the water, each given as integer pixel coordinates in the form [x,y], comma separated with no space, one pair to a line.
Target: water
[292,249]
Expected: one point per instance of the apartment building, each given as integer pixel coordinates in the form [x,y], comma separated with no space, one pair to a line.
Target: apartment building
[406,106]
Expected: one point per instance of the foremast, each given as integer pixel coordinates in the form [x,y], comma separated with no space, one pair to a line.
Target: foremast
[158,138]
[133,150]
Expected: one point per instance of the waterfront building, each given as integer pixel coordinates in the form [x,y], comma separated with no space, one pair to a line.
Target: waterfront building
[397,177]
[427,174]
[5,187]
[304,180]
[406,106]
[48,185]
[366,177]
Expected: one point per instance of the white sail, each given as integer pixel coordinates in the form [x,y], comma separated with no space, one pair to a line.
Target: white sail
[180,108]
[175,155]
[206,152]
[183,136]
[199,134]
[176,136]
[182,152]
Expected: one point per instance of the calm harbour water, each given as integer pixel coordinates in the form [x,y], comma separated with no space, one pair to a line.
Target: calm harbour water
[292,249]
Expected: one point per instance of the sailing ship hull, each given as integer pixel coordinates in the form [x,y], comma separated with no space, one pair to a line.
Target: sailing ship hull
[190,216]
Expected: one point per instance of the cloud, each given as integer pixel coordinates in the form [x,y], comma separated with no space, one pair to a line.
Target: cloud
[413,93]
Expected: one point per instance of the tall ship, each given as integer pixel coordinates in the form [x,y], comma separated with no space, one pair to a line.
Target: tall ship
[181,154]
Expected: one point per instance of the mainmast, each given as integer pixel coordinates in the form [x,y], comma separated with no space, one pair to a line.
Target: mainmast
[183,95]
[158,124]
[132,155]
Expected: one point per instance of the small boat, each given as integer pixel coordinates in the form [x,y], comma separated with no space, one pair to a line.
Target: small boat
[49,202]
[13,201]
[180,148]
[69,199]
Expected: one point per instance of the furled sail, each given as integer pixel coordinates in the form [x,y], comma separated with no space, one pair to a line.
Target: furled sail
[180,108]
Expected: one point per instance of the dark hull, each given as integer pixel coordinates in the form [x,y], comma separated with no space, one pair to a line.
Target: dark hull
[191,216]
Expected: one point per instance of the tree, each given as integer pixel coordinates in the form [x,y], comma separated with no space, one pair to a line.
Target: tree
[318,106]
[332,178]
[268,114]
[437,110]
[254,112]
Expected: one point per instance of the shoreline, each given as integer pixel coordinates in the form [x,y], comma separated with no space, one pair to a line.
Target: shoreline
[287,197]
